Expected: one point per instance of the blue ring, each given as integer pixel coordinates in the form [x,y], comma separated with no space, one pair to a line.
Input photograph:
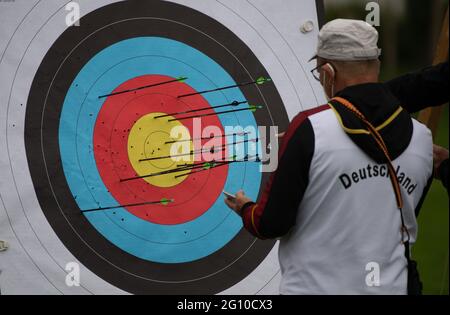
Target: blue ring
[108,69]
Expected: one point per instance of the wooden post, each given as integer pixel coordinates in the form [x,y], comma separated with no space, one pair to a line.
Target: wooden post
[432,115]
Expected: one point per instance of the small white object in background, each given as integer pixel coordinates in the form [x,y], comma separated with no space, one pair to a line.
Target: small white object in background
[307,27]
[3,246]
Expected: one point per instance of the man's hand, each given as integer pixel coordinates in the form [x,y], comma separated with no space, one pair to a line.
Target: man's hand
[440,154]
[238,203]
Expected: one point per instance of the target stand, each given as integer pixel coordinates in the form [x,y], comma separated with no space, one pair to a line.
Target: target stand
[95,138]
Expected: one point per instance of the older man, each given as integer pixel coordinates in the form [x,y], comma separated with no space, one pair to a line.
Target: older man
[351,175]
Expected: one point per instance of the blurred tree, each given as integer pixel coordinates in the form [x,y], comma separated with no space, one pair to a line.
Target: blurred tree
[408,32]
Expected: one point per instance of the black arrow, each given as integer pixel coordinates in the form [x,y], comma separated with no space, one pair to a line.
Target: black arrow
[251,108]
[208,138]
[235,103]
[259,81]
[219,164]
[197,151]
[144,87]
[162,201]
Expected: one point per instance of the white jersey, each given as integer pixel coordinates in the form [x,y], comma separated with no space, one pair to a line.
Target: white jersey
[348,224]
[332,203]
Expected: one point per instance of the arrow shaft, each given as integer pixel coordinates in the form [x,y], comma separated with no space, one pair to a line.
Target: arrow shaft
[211,114]
[202,170]
[121,206]
[202,109]
[176,170]
[142,87]
[219,164]
[203,150]
[182,168]
[208,138]
[218,89]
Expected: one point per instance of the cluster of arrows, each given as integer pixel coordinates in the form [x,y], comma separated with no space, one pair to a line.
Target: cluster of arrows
[186,169]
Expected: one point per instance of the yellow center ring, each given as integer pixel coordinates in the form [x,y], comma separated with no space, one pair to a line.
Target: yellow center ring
[147,139]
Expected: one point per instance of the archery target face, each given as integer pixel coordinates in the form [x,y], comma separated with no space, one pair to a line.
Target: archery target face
[79,146]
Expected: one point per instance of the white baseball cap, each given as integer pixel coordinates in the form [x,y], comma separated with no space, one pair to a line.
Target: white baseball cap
[348,40]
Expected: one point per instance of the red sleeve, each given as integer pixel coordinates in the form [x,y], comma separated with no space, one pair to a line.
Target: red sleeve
[276,211]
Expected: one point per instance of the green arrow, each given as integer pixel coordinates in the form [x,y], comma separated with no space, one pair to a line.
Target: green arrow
[262,80]
[254,108]
[208,165]
[165,201]
[180,79]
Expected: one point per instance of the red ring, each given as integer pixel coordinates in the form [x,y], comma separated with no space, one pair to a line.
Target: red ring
[195,195]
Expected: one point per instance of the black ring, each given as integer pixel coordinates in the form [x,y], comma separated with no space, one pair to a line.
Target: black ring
[129,19]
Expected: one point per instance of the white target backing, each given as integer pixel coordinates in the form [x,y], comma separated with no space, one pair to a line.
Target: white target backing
[36,260]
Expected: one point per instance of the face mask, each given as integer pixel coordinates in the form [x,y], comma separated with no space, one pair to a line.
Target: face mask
[324,88]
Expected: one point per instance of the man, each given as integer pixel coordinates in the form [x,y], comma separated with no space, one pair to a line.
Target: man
[418,90]
[331,200]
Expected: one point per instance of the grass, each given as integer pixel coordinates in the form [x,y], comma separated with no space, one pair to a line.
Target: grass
[432,248]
